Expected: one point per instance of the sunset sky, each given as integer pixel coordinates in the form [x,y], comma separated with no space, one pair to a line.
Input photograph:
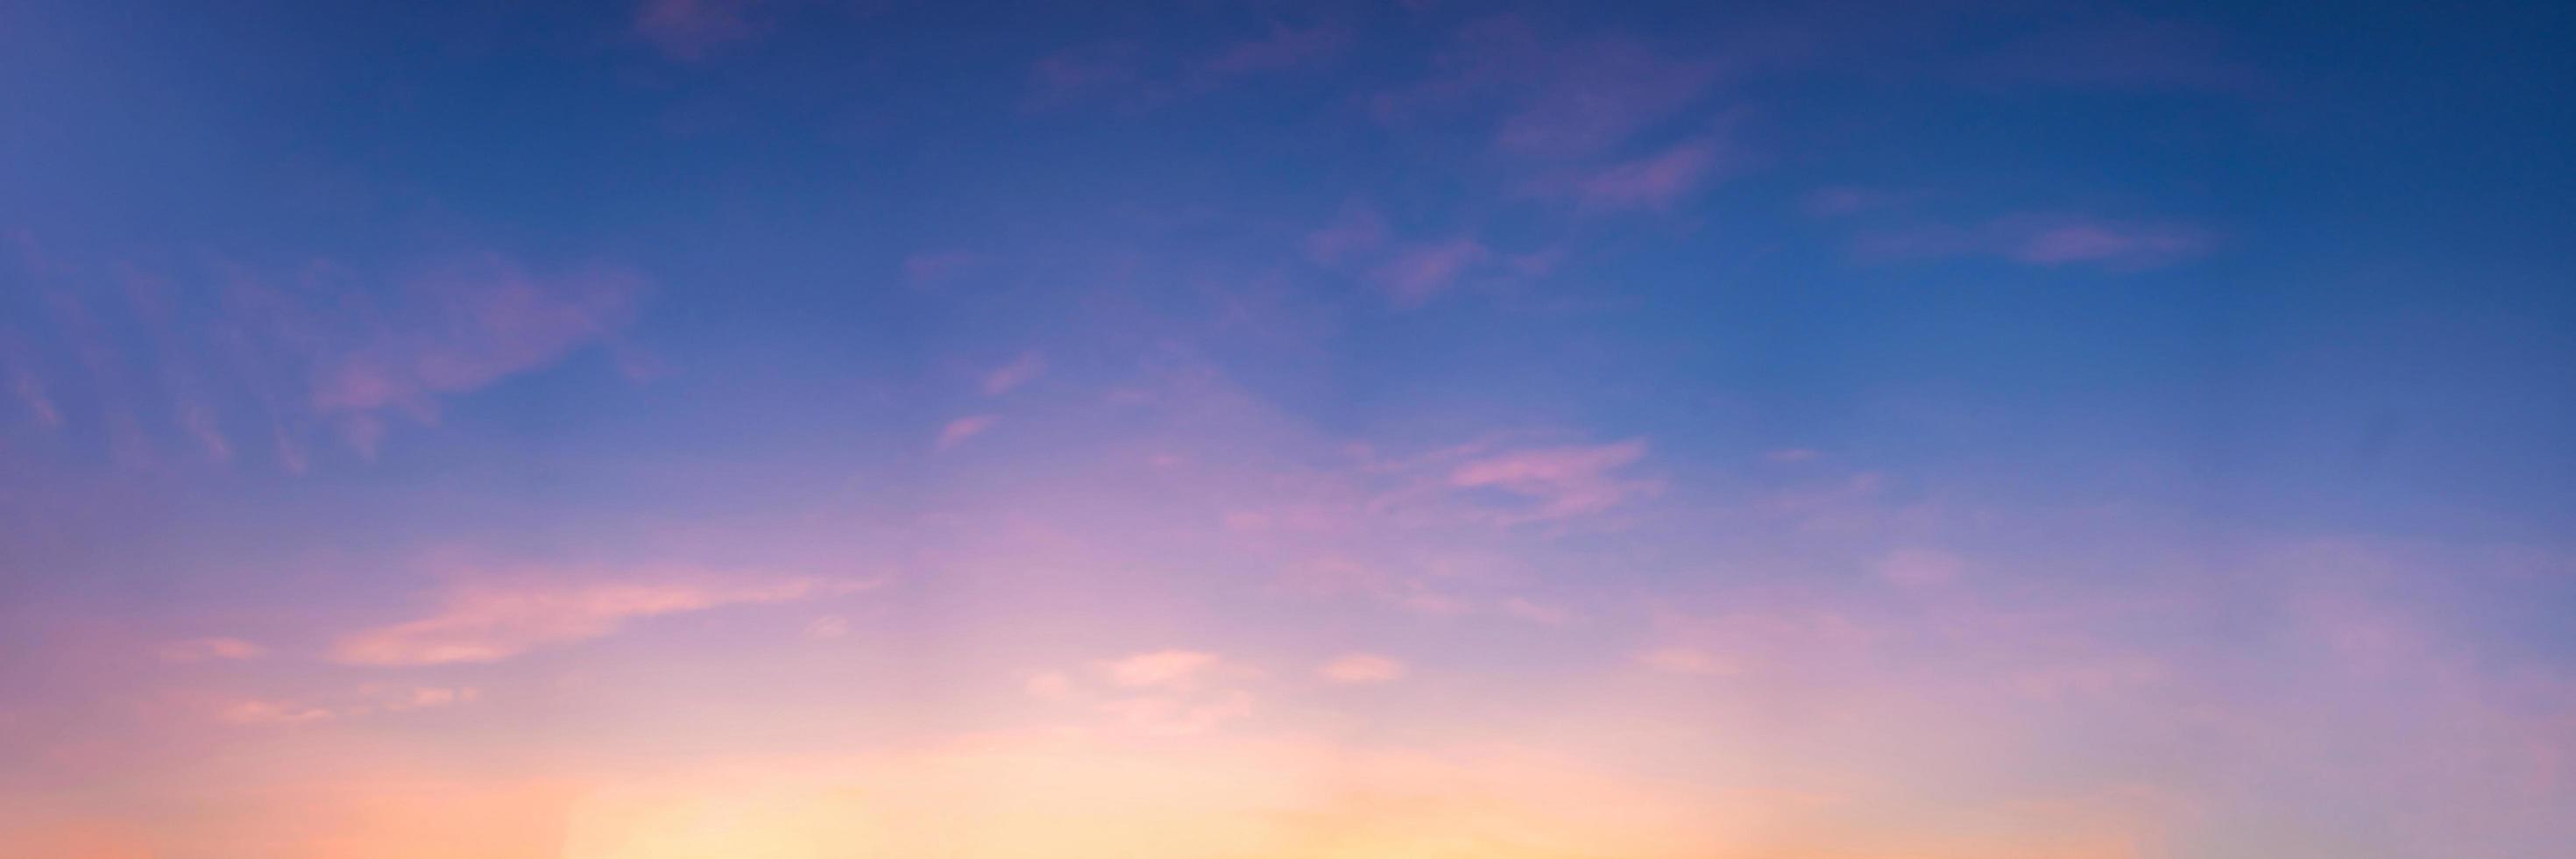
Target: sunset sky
[805,429]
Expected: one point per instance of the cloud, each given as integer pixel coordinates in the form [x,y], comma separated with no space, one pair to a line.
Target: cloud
[1168,716]
[1920,568]
[489,623]
[366,701]
[2048,242]
[1331,576]
[2126,54]
[231,354]
[1163,693]
[1417,275]
[1840,201]
[1652,182]
[261,712]
[1357,230]
[1685,660]
[928,268]
[1164,668]
[1077,73]
[1538,613]
[1136,76]
[1555,98]
[30,391]
[2120,245]
[1563,481]
[827,627]
[1361,669]
[434,696]
[956,432]
[209,649]
[1048,686]
[471,326]
[1284,48]
[1008,377]
[693,30]
[1604,92]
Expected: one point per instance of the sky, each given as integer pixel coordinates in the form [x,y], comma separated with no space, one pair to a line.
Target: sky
[1352,428]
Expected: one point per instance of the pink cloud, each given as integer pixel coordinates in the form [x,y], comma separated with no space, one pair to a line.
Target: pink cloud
[1166,668]
[956,432]
[1336,576]
[928,268]
[1536,612]
[1563,481]
[2048,242]
[1920,568]
[1599,94]
[1417,275]
[2125,54]
[489,623]
[30,391]
[476,326]
[1127,75]
[1652,182]
[2090,679]
[827,628]
[1048,686]
[1284,48]
[1086,71]
[262,712]
[1557,98]
[1359,229]
[1011,376]
[2121,245]
[694,29]
[1845,200]
[1685,660]
[1167,716]
[1355,669]
[210,649]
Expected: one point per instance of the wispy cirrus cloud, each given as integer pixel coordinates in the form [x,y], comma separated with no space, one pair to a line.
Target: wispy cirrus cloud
[1133,74]
[1165,693]
[1652,182]
[26,386]
[495,621]
[1685,660]
[924,269]
[1551,97]
[2122,53]
[1285,47]
[1361,669]
[2047,242]
[471,326]
[1920,568]
[692,30]
[209,650]
[1559,482]
[222,355]
[1358,229]
[268,712]
[1843,201]
[1009,377]
[2112,244]
[1171,668]
[1417,275]
[957,431]
[365,701]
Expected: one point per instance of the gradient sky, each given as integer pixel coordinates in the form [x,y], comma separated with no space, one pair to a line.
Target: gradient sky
[806,428]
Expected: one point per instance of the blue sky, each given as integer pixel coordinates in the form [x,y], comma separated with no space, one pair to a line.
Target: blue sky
[382,382]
